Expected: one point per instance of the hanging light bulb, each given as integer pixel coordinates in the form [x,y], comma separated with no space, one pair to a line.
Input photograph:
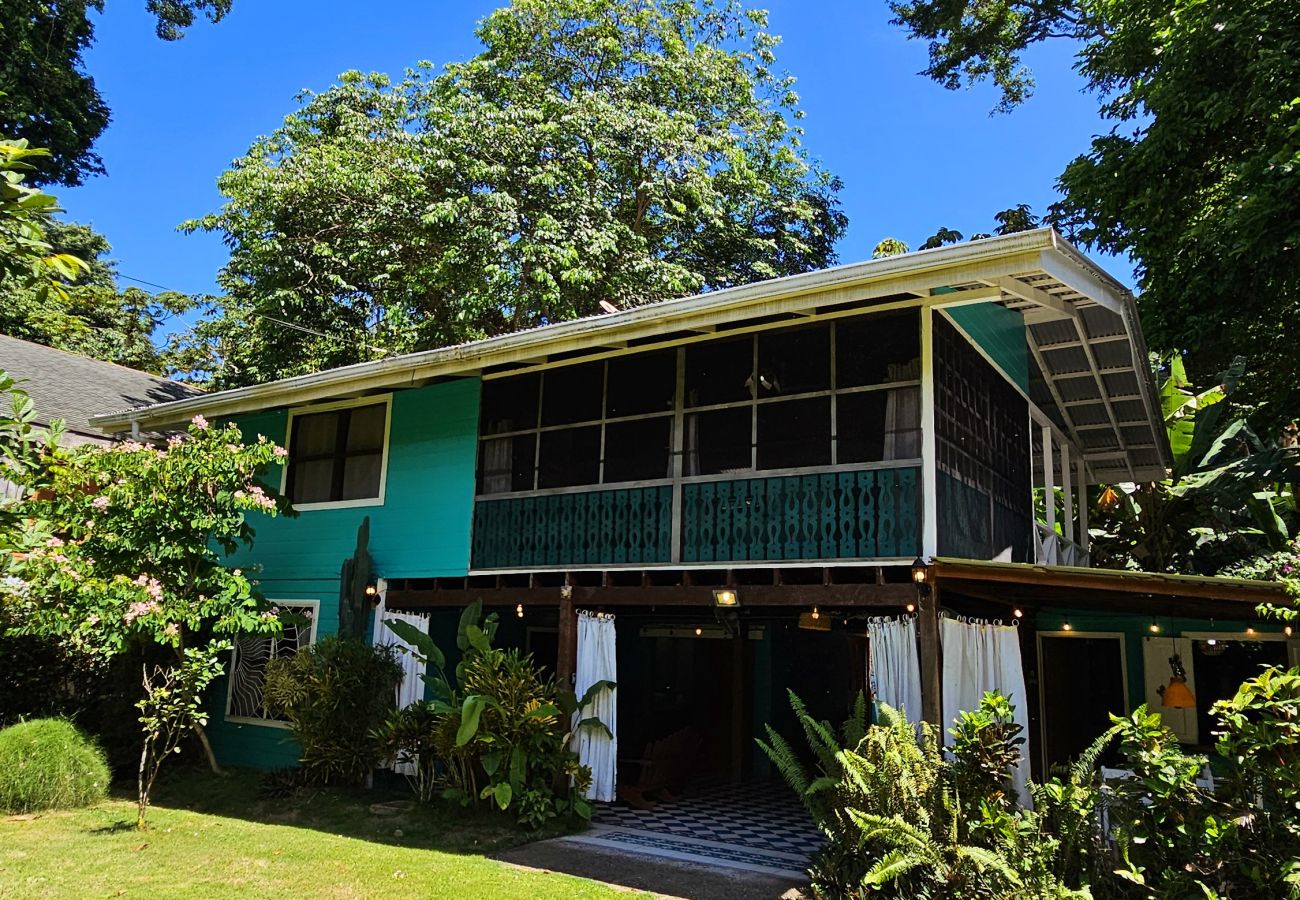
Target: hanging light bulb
[519,610]
[699,631]
[1250,631]
[1066,626]
[911,607]
[1287,631]
[816,614]
[1154,627]
[1018,613]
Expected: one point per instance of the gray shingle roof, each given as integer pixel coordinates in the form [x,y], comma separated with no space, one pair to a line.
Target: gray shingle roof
[74,388]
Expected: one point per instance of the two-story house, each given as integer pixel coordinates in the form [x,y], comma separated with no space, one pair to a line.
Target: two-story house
[751,480]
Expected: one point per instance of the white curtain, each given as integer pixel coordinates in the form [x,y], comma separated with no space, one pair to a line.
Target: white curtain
[978,658]
[895,670]
[903,413]
[596,662]
[411,688]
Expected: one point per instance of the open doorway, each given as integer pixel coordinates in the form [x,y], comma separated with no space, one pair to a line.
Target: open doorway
[1082,681]
[1222,664]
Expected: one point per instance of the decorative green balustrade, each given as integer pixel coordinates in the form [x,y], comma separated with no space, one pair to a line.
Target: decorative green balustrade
[833,515]
[590,528]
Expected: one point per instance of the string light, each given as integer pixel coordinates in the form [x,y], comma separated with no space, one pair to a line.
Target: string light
[519,610]
[1018,613]
[911,607]
[699,631]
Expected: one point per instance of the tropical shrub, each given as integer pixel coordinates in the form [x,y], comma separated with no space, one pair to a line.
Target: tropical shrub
[49,764]
[334,694]
[497,731]
[903,821]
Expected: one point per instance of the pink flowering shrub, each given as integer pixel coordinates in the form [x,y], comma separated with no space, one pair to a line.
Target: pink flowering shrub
[140,533]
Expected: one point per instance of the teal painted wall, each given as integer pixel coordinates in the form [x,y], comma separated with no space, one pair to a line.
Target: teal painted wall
[999,332]
[422,530]
[1135,629]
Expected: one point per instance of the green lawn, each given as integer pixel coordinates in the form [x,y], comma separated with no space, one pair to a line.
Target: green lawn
[213,837]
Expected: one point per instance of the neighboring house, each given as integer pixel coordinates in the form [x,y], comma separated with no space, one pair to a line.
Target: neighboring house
[73,388]
[745,478]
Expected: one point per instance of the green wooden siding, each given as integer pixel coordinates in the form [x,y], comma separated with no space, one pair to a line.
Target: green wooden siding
[421,530]
[618,526]
[999,332]
[830,515]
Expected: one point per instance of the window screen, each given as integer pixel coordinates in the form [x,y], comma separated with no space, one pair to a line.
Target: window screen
[253,653]
[568,457]
[878,349]
[337,455]
[794,433]
[638,450]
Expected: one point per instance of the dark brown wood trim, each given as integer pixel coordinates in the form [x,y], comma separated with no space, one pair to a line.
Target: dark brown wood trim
[829,595]
[927,604]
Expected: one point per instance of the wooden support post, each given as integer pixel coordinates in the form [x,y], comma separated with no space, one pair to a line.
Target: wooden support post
[1067,489]
[739,745]
[566,663]
[1083,506]
[1049,479]
[927,606]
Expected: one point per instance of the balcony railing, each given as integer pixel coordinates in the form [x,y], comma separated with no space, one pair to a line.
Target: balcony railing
[844,514]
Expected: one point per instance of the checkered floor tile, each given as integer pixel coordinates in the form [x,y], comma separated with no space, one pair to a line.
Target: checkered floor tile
[760,825]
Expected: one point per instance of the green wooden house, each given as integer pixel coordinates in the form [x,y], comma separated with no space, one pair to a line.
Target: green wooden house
[748,479]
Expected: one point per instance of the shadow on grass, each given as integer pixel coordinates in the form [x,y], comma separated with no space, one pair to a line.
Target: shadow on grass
[346,812]
[117,827]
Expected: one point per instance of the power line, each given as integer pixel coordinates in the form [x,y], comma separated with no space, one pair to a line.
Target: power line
[295,326]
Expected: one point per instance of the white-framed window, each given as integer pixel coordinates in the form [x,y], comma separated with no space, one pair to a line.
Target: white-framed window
[253,653]
[338,453]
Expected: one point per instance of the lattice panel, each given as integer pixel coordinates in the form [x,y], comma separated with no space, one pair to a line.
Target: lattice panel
[595,527]
[833,515]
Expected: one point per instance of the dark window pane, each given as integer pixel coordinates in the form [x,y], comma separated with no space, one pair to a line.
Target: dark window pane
[638,450]
[312,481]
[877,426]
[506,464]
[641,384]
[878,349]
[719,441]
[361,476]
[315,435]
[510,404]
[794,362]
[719,371]
[794,433]
[366,427]
[568,457]
[572,393]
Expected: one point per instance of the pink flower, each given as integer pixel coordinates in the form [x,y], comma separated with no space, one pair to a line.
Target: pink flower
[199,422]
[281,453]
[54,542]
[270,616]
[136,610]
[175,440]
[100,502]
[172,629]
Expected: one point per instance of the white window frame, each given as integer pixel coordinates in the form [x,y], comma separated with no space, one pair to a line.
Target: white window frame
[314,606]
[312,409]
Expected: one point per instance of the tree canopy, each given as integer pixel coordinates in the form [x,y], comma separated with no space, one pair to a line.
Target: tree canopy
[46,95]
[595,150]
[1199,176]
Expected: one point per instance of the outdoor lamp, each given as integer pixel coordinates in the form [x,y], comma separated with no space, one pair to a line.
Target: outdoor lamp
[726,597]
[1177,695]
[920,571]
[372,592]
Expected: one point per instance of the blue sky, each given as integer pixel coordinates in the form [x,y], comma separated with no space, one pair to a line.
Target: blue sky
[912,155]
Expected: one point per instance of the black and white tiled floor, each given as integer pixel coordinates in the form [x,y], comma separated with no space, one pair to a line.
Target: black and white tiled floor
[758,826]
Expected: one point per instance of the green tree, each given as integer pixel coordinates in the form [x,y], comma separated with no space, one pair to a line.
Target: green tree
[596,150]
[1198,178]
[89,316]
[131,553]
[28,261]
[46,95]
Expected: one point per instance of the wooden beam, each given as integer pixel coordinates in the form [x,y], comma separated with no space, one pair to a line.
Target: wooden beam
[1063,309]
[1170,586]
[830,595]
[927,604]
[566,662]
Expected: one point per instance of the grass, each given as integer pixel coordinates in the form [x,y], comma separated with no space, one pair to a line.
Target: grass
[49,764]
[212,837]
